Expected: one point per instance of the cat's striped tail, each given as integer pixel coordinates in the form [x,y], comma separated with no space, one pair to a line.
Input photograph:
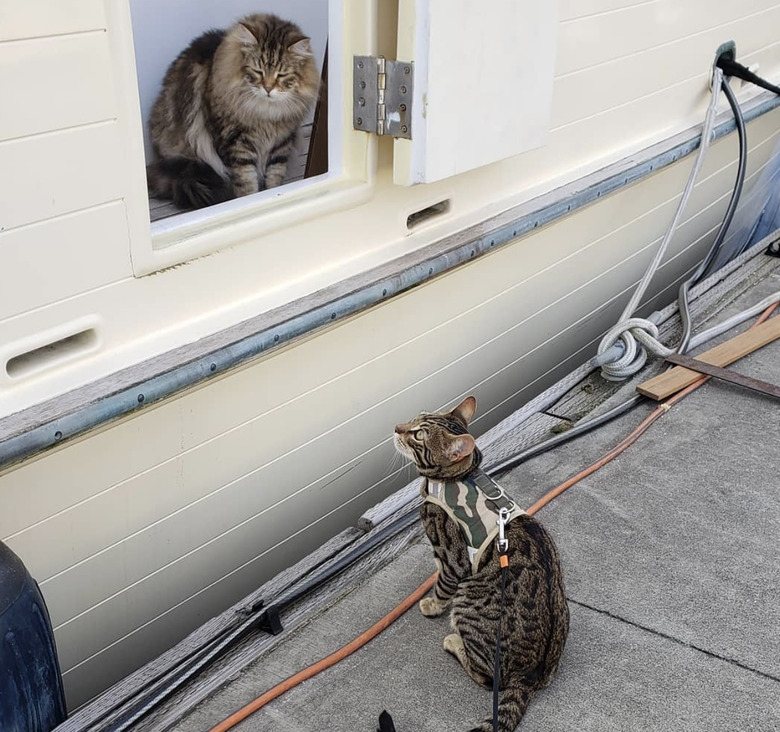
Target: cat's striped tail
[188,182]
[512,703]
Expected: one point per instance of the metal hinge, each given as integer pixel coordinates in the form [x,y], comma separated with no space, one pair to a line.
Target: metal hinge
[382,96]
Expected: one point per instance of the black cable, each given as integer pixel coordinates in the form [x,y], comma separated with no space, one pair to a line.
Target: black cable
[497,653]
[576,431]
[732,68]
[192,665]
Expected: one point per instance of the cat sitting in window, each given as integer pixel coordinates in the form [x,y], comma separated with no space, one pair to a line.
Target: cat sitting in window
[226,119]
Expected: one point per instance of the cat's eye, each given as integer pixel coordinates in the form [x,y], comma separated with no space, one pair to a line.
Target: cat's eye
[418,434]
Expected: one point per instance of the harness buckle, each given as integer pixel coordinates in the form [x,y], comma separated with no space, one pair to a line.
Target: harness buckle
[503,518]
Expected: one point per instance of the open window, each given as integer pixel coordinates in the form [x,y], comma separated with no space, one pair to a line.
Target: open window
[327,170]
[164,28]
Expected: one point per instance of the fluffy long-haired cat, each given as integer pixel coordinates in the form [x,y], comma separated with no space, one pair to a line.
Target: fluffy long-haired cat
[231,104]
[459,516]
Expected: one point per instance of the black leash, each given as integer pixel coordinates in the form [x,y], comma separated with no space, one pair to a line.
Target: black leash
[504,564]
[503,545]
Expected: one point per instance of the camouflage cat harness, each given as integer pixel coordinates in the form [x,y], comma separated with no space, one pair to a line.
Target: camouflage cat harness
[478,505]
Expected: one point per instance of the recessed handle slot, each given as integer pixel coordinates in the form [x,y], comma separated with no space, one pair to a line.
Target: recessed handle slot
[52,353]
[426,214]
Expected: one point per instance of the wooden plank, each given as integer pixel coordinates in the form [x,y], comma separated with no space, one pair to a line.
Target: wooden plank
[52,83]
[670,382]
[733,377]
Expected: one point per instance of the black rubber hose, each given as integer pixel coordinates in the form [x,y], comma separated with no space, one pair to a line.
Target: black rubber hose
[576,431]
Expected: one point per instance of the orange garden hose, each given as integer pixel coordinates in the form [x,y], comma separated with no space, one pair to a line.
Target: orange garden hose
[423,589]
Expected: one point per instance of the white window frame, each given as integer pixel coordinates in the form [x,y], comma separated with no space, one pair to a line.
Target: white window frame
[351,155]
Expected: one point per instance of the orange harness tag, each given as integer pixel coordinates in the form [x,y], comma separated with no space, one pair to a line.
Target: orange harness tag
[503,560]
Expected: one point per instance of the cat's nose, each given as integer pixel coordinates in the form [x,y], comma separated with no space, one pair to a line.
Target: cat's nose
[399,428]
[268,88]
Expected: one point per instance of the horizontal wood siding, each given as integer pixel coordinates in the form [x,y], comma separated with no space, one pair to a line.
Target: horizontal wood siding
[595,90]
[58,173]
[37,18]
[598,39]
[51,256]
[52,83]
[63,223]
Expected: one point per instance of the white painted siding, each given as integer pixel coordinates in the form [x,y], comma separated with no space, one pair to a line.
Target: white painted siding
[56,83]
[40,18]
[141,531]
[61,157]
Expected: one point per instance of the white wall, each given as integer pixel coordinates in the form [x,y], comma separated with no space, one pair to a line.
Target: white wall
[163,28]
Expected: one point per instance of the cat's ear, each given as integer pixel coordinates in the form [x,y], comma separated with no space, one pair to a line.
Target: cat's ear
[465,410]
[460,447]
[301,48]
[243,34]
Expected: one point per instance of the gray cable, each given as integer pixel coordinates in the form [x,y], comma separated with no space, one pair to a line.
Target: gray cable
[736,193]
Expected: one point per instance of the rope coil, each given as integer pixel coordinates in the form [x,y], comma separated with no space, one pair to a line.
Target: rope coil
[637,336]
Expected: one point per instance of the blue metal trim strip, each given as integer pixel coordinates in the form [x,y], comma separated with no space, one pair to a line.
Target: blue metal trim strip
[161,387]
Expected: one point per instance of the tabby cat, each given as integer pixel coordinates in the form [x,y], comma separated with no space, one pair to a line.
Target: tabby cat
[535,617]
[226,119]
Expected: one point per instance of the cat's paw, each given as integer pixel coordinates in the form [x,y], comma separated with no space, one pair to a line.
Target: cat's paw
[431,607]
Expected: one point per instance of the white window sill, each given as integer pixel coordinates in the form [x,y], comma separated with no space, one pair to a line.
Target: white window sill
[197,233]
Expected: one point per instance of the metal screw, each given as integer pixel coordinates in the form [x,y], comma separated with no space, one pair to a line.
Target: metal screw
[58,435]
[360,120]
[403,90]
[404,128]
[360,64]
[213,367]
[362,84]
[402,107]
[362,102]
[140,398]
[407,70]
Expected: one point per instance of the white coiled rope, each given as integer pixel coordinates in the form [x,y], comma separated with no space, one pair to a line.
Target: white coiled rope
[640,335]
